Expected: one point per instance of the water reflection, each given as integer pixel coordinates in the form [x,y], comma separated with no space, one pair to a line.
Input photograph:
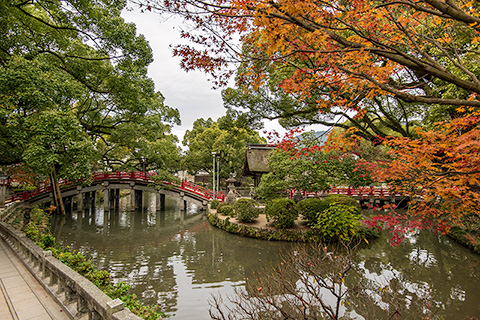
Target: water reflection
[177,260]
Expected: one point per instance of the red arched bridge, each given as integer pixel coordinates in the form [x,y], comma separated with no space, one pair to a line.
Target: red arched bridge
[138,182]
[111,183]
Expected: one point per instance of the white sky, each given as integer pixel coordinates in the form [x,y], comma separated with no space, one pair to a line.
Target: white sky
[191,93]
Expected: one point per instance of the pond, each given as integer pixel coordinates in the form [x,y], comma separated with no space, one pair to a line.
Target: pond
[177,260]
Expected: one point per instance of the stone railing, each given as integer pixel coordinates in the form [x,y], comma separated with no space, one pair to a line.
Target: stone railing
[79,297]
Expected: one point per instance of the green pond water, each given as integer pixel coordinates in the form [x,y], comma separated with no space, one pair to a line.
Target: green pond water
[177,260]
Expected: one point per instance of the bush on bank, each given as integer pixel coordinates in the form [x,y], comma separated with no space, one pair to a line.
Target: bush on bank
[35,224]
[214,204]
[325,228]
[338,222]
[246,209]
[226,209]
[282,211]
[468,232]
[309,209]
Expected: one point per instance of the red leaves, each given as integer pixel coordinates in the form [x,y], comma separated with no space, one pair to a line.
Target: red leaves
[440,170]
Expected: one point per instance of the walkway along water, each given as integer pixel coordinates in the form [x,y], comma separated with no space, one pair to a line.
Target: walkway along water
[21,295]
[51,290]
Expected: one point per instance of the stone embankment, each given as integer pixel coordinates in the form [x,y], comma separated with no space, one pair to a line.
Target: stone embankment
[79,298]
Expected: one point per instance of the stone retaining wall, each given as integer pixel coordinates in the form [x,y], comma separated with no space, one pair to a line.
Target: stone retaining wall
[79,297]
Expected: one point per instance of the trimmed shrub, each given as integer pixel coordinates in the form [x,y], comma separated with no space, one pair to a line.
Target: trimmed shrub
[339,222]
[225,209]
[282,211]
[309,209]
[246,209]
[214,204]
[343,199]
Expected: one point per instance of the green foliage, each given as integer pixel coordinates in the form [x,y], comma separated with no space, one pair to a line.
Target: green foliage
[71,104]
[246,209]
[163,176]
[338,222]
[302,165]
[310,208]
[214,204]
[48,241]
[226,136]
[282,211]
[38,225]
[467,232]
[225,209]
[343,199]
[271,186]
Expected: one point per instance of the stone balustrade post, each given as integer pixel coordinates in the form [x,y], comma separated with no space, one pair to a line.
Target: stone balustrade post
[82,305]
[79,199]
[132,196]
[114,306]
[70,295]
[106,200]
[45,255]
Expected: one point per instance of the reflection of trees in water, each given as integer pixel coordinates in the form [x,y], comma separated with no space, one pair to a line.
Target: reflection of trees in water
[424,270]
[218,256]
[142,247]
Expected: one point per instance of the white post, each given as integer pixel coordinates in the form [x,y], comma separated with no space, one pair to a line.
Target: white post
[218,174]
[213,178]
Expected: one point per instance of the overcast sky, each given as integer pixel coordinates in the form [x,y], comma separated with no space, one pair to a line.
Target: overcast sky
[190,92]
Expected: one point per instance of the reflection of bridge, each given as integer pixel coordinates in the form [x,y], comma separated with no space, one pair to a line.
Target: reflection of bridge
[111,183]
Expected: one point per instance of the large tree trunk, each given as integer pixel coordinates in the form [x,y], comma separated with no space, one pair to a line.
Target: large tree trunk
[57,196]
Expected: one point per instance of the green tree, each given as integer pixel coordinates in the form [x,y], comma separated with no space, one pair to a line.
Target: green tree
[300,163]
[226,136]
[76,71]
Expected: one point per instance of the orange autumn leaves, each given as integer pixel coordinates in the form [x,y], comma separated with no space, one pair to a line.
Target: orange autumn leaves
[351,49]
[440,169]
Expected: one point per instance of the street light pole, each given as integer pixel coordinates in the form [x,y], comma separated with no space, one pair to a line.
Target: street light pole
[218,174]
[213,178]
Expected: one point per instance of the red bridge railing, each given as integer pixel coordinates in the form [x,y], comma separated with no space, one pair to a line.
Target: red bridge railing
[206,193]
[377,192]
[118,175]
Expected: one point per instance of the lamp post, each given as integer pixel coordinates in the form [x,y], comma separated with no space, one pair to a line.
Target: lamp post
[3,183]
[218,173]
[213,178]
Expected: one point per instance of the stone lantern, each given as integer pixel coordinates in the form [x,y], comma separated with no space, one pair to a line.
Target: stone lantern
[231,196]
